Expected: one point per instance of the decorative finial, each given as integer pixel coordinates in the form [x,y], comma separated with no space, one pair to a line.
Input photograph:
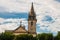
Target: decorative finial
[20,22]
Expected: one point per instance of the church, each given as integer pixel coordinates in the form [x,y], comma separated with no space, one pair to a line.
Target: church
[31,24]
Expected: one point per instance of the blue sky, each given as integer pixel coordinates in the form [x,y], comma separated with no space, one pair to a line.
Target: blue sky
[14,11]
[58,0]
[13,15]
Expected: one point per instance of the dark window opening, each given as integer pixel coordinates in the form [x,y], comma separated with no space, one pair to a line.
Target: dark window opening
[31,23]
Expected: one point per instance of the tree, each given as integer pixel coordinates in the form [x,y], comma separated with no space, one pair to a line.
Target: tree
[21,37]
[49,36]
[25,37]
[35,38]
[6,36]
[41,36]
[45,36]
[57,37]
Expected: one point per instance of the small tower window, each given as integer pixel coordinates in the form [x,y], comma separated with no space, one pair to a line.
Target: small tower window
[31,23]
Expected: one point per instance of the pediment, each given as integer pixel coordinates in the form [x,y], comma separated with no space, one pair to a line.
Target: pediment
[20,30]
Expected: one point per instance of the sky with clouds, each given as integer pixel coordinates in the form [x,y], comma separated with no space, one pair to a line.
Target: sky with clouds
[47,14]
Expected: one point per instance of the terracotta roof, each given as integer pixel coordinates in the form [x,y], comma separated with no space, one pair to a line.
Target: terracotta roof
[20,29]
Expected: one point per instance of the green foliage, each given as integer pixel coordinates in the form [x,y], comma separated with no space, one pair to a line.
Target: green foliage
[57,37]
[25,37]
[6,36]
[43,36]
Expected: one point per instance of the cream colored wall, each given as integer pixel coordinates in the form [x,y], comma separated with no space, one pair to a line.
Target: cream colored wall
[33,27]
[19,33]
[34,35]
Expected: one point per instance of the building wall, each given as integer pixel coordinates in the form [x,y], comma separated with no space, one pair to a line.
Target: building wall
[19,33]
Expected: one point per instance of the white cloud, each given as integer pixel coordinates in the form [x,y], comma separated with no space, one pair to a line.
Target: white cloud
[11,24]
[1,19]
[51,8]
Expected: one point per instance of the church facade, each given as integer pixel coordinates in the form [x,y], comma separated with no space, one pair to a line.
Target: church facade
[31,24]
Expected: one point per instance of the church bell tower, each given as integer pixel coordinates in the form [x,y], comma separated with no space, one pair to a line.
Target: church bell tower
[32,21]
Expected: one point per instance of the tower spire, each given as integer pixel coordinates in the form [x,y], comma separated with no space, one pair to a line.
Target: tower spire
[32,21]
[32,10]
[32,14]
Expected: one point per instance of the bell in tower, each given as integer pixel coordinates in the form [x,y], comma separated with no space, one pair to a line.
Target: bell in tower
[32,21]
